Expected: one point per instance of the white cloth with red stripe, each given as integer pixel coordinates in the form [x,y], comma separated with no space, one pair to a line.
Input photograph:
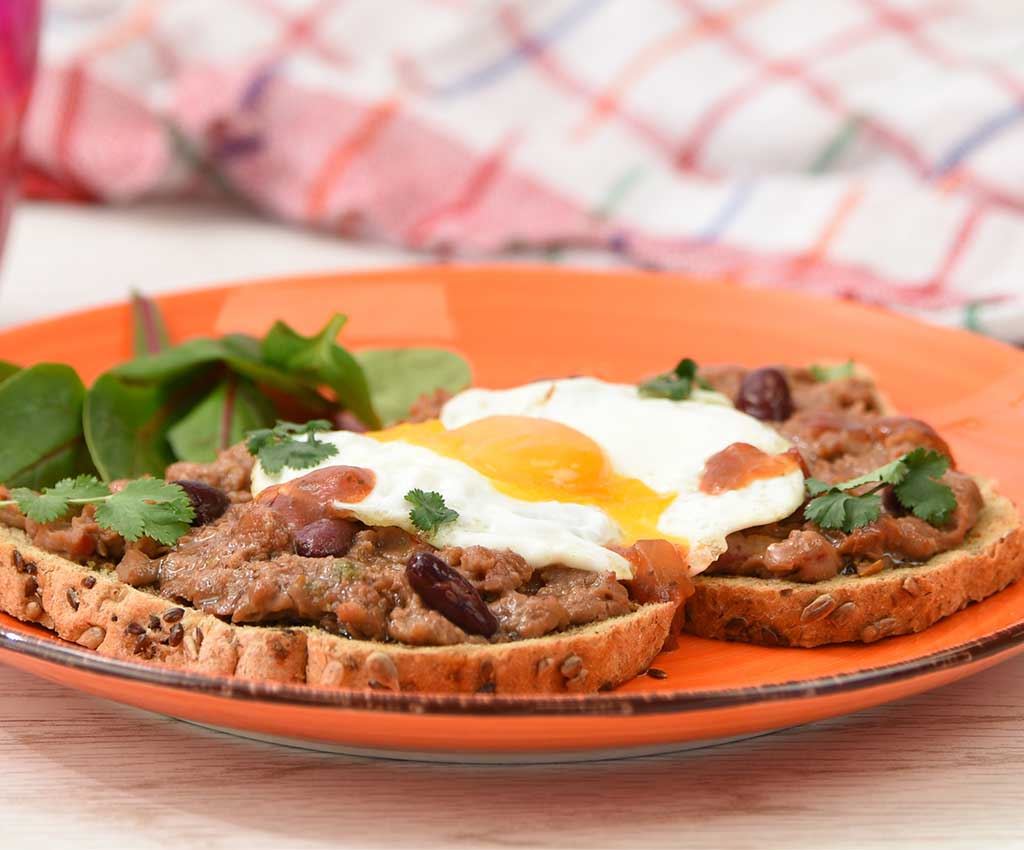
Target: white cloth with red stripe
[865,148]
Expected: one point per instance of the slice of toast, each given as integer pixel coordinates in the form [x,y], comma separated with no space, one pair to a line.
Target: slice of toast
[93,608]
[778,612]
[851,608]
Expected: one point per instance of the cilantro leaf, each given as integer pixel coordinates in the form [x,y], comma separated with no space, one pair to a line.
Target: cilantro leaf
[835,372]
[429,510]
[921,492]
[54,502]
[279,447]
[295,454]
[147,507]
[836,509]
[914,479]
[676,385]
[891,473]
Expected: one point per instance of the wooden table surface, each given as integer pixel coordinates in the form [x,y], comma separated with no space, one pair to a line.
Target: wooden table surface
[940,770]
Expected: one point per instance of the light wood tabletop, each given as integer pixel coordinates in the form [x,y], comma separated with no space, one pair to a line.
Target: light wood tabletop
[940,770]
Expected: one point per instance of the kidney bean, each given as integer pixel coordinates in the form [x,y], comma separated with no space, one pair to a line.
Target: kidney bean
[450,593]
[764,394]
[325,538]
[209,503]
[891,503]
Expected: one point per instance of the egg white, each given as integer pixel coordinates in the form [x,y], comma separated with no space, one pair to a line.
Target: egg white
[663,443]
[543,533]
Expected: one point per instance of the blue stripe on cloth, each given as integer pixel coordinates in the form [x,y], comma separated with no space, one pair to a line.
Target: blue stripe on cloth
[728,211]
[503,65]
[976,138]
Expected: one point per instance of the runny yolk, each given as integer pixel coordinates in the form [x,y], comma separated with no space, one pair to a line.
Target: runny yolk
[538,460]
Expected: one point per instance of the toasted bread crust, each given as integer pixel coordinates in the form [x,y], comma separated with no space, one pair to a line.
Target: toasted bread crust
[851,608]
[94,609]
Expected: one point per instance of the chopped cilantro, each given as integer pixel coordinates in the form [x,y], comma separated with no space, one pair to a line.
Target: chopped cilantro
[279,446]
[835,372]
[146,507]
[914,479]
[676,385]
[429,511]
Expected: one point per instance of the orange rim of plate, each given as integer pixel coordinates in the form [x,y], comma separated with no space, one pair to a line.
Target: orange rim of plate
[675,702]
[981,422]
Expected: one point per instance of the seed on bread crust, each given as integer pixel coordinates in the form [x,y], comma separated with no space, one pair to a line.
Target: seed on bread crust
[878,630]
[822,606]
[92,637]
[912,586]
[174,615]
[72,596]
[843,613]
[176,635]
[89,582]
[382,671]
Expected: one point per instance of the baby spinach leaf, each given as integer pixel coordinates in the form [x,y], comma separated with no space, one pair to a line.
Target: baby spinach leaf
[223,418]
[172,363]
[319,359]
[126,423]
[399,376]
[7,369]
[150,332]
[237,352]
[41,438]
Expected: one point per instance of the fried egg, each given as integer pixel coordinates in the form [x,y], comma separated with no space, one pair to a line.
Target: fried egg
[559,471]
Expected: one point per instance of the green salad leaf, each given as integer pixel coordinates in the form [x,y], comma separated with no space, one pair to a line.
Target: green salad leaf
[231,410]
[41,439]
[399,376]
[319,360]
[149,331]
[7,369]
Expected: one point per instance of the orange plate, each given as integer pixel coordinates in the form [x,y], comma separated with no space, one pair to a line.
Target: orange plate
[518,324]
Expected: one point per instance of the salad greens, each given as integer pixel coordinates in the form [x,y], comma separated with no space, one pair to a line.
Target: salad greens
[191,400]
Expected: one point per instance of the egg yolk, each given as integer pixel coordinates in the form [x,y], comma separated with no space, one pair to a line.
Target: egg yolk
[538,460]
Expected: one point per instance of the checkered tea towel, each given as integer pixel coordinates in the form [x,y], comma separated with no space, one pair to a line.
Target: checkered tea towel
[871,149]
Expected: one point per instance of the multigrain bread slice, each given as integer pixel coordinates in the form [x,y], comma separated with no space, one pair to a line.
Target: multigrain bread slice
[94,609]
[893,602]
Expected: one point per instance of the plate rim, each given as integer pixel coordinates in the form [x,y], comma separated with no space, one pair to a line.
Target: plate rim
[63,654]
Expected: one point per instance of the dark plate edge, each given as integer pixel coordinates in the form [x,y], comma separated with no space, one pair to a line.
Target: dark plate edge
[611,704]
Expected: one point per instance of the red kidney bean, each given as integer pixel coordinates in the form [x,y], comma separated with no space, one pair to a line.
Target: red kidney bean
[764,394]
[891,503]
[326,538]
[209,503]
[450,593]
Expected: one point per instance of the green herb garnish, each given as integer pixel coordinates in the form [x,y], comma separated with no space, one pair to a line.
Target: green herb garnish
[146,507]
[280,446]
[826,373]
[676,385]
[429,511]
[914,479]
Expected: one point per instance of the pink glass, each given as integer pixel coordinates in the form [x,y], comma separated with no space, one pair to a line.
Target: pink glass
[19,34]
